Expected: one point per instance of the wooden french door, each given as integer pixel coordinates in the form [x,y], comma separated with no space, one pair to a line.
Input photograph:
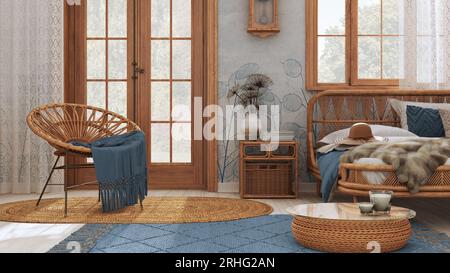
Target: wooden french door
[171,56]
[143,59]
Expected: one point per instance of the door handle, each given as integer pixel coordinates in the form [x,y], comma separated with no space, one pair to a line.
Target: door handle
[139,70]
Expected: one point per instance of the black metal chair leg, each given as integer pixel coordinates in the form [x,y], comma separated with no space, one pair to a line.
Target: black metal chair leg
[65,203]
[140,203]
[48,181]
[99,197]
[65,187]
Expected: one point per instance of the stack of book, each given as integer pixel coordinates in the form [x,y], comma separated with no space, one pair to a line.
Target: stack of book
[278,135]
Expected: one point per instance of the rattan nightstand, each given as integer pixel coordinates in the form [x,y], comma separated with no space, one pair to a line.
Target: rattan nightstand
[268,174]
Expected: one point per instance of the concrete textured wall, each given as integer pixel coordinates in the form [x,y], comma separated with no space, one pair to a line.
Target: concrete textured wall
[281,57]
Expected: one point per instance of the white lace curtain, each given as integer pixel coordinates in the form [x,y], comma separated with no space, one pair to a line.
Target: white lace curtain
[31,74]
[426,48]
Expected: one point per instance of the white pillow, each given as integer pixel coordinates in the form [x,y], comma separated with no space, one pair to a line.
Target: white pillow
[401,106]
[377,130]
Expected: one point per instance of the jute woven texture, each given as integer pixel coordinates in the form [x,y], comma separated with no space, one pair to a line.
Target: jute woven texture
[351,236]
[157,210]
[60,124]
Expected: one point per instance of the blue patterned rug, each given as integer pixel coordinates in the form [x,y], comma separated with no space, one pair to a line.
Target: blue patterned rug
[268,234]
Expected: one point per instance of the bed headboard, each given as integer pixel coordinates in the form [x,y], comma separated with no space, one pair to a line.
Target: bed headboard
[333,110]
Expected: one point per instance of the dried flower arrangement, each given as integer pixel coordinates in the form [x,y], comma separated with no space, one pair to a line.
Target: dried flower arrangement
[253,88]
[244,94]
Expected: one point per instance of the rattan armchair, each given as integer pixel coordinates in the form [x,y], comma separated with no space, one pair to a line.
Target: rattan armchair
[60,124]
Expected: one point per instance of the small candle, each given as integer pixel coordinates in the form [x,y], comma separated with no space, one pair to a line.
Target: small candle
[381,201]
[366,208]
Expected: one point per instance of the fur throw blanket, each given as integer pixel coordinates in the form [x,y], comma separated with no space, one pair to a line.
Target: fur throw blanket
[414,161]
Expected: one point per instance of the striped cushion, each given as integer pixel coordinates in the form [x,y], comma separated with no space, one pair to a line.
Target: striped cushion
[424,122]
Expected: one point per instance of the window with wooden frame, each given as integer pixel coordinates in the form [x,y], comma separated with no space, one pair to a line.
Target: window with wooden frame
[353,44]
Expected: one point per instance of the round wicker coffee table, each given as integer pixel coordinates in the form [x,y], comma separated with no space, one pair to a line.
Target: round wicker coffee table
[340,227]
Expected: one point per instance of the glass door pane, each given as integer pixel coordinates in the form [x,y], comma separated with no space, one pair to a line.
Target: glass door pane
[107,54]
[171,77]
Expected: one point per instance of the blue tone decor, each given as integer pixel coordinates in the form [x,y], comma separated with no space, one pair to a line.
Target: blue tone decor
[424,122]
[329,171]
[267,234]
[121,169]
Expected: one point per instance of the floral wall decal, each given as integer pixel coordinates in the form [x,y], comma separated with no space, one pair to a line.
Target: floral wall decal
[288,92]
[281,57]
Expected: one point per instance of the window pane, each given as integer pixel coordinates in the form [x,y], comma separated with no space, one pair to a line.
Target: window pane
[160,18]
[96,18]
[391,15]
[160,60]
[181,141]
[182,59]
[96,60]
[160,143]
[96,94]
[181,92]
[117,98]
[117,60]
[369,58]
[391,58]
[117,18]
[331,60]
[182,18]
[160,101]
[331,17]
[369,16]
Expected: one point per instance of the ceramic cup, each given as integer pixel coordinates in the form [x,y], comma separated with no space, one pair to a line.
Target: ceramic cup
[381,200]
[366,207]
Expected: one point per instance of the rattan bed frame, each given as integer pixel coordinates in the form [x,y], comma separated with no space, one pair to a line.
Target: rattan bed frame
[329,111]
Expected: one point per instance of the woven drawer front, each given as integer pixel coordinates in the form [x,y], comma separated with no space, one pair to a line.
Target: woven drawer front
[284,151]
[268,178]
[255,151]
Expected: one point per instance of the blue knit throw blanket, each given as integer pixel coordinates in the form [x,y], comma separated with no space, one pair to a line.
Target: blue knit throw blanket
[121,169]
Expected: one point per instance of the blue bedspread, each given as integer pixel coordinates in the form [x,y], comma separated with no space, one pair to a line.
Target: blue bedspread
[329,171]
[121,169]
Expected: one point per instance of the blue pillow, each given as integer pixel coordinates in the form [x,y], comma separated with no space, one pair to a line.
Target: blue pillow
[424,122]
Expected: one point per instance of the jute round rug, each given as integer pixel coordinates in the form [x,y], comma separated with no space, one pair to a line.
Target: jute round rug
[157,210]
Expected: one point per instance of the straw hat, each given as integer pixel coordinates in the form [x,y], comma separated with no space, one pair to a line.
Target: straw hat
[359,133]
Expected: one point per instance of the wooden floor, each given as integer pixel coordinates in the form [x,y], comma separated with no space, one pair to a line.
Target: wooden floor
[17,237]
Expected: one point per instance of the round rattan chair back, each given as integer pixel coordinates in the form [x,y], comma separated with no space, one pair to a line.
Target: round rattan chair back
[60,124]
